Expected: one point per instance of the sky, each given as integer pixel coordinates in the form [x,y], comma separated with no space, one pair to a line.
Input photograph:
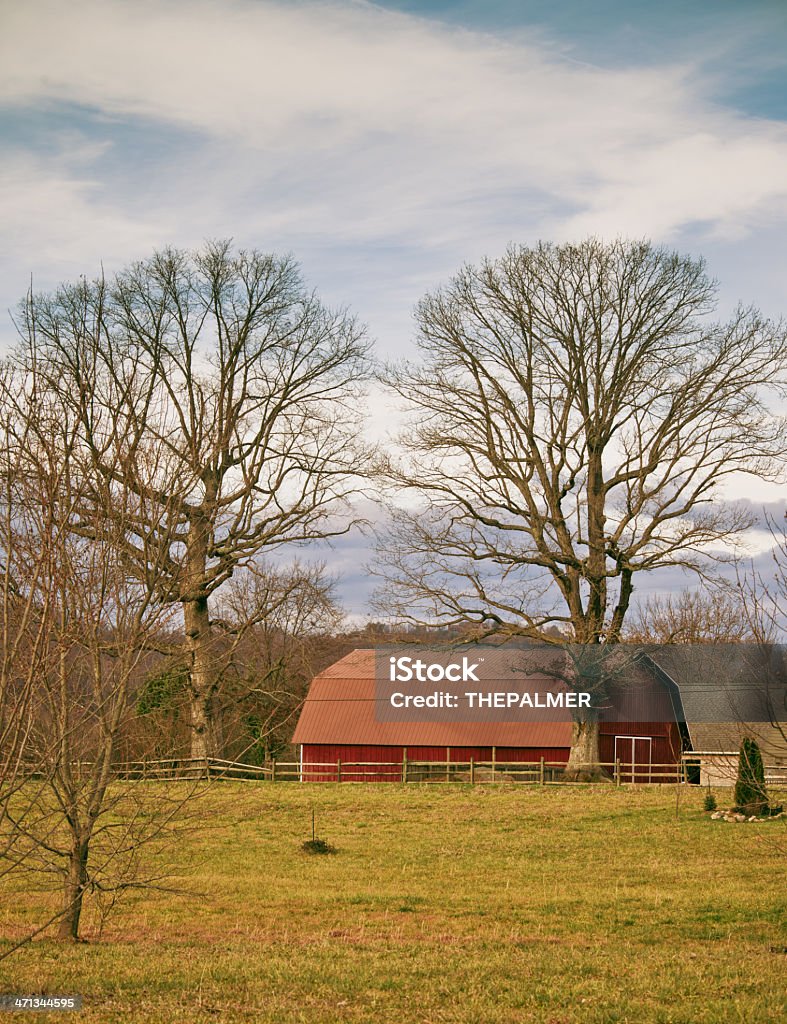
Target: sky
[386,144]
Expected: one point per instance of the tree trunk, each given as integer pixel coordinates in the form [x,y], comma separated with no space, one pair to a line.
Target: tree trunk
[584,756]
[205,725]
[74,891]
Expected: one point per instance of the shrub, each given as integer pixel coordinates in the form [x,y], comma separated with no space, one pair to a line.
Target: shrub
[710,802]
[750,794]
[317,846]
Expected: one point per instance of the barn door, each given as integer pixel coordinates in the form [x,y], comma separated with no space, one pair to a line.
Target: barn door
[634,755]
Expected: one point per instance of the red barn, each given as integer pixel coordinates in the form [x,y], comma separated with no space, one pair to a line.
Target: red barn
[341,737]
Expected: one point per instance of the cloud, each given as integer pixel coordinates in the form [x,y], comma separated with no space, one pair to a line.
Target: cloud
[382,148]
[352,121]
[47,208]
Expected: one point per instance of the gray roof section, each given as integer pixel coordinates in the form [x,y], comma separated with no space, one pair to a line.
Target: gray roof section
[727,682]
[729,691]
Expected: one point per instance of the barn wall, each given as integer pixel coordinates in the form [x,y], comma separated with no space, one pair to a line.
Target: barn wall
[320,760]
[360,763]
[320,755]
[665,749]
[640,703]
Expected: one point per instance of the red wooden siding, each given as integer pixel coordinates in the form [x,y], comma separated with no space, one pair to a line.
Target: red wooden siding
[665,748]
[320,760]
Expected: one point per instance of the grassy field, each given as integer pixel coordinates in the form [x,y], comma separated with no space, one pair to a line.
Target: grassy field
[484,905]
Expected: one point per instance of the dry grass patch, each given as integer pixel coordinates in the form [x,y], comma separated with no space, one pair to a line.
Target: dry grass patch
[445,904]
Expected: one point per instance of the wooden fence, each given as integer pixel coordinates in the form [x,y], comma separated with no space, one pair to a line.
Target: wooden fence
[540,772]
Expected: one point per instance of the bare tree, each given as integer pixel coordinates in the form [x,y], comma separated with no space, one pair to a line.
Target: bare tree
[278,628]
[285,620]
[88,623]
[575,412]
[224,364]
[693,617]
[764,596]
[29,531]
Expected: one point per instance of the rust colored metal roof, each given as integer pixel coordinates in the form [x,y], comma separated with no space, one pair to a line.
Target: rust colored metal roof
[340,708]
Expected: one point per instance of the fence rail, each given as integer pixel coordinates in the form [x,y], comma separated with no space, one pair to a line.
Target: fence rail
[187,768]
[542,772]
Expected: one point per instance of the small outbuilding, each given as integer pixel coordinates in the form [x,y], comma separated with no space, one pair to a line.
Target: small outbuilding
[730,692]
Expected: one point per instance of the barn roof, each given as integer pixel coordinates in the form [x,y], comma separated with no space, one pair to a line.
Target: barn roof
[729,691]
[340,708]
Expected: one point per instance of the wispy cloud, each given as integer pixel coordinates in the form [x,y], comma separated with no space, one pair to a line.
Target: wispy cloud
[350,122]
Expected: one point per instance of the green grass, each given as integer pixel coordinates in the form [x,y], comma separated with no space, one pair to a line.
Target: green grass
[485,905]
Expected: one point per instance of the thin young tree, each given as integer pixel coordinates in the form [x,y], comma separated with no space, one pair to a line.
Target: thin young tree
[225,362]
[575,411]
[28,529]
[764,598]
[94,623]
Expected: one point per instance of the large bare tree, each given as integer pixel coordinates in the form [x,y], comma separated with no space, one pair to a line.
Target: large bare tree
[246,387]
[575,412]
[279,627]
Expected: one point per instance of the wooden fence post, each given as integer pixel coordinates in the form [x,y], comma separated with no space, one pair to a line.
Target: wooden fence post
[338,769]
[273,769]
[404,764]
[541,772]
[472,770]
[617,771]
[494,750]
[447,764]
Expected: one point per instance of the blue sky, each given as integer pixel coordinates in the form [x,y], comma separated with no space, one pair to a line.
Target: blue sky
[385,144]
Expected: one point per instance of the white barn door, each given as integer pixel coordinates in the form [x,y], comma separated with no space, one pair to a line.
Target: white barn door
[634,755]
